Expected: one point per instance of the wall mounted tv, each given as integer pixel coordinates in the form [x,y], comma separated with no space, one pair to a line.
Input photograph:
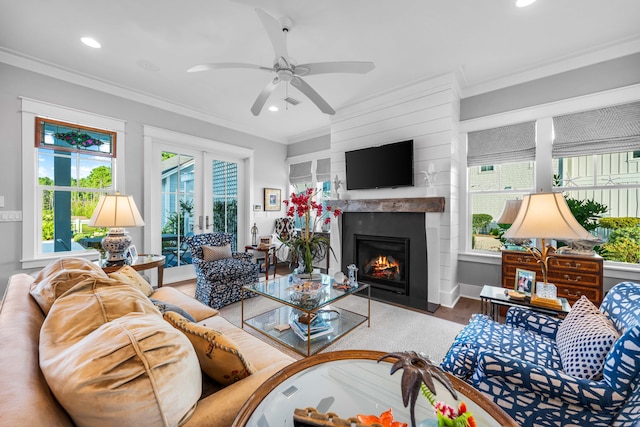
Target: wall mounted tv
[385,166]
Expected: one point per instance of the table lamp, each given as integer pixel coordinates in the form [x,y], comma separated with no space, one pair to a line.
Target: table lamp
[116,211]
[546,216]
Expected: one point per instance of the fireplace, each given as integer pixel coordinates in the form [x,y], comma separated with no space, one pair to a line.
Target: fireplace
[383,261]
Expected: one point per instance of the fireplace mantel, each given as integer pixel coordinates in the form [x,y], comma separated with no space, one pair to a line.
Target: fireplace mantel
[416,204]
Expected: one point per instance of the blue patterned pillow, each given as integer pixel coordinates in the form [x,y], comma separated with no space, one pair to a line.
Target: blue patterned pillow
[584,339]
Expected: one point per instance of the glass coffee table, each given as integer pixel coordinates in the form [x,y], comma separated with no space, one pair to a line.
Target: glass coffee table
[349,383]
[287,324]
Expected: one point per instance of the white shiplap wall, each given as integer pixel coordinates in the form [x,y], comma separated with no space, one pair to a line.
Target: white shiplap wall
[427,112]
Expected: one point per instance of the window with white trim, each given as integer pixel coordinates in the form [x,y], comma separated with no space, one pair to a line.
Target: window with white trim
[65,171]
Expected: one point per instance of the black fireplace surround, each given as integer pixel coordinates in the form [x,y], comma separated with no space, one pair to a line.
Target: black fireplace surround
[380,229]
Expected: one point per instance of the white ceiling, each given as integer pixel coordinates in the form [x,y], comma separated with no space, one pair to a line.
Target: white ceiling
[147,46]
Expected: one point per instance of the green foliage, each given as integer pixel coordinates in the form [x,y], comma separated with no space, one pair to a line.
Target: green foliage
[175,222]
[586,212]
[480,221]
[47,226]
[623,245]
[619,222]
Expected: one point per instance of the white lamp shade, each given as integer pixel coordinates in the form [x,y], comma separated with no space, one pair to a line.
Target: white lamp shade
[546,216]
[510,211]
[117,211]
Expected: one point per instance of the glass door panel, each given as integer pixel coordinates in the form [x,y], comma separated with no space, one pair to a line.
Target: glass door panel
[225,198]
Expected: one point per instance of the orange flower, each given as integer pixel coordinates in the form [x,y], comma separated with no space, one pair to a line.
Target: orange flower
[385,419]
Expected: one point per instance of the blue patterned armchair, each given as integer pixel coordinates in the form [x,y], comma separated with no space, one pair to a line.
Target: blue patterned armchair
[518,364]
[219,282]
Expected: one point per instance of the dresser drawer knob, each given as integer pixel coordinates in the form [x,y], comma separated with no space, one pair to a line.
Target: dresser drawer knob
[569,279]
[577,294]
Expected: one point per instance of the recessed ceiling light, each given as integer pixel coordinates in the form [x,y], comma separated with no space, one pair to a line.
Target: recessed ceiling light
[273,108]
[524,3]
[91,42]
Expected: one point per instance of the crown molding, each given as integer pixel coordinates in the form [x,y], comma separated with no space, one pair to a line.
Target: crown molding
[51,70]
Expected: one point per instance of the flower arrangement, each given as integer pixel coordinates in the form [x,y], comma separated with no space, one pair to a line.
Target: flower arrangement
[309,246]
[76,138]
[385,419]
[447,415]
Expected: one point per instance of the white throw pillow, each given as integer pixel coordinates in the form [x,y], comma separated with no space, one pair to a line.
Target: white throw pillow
[214,253]
[584,339]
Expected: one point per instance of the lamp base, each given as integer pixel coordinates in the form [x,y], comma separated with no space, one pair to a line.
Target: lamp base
[115,245]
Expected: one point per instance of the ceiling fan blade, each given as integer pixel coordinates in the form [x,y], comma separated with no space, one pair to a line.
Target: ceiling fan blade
[274,30]
[264,95]
[222,65]
[334,67]
[312,95]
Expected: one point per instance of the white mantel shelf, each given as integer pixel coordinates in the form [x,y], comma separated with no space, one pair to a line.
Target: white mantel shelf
[416,204]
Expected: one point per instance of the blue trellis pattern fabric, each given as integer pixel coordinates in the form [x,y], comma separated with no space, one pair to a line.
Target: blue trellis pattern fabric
[536,395]
[542,324]
[584,339]
[483,334]
[220,282]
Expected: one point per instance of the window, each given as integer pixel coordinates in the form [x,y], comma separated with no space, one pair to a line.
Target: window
[486,168]
[636,155]
[75,166]
[71,163]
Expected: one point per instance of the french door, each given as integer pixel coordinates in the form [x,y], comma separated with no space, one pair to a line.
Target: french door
[193,191]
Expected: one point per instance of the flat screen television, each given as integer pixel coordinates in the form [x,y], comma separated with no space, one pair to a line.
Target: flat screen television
[385,166]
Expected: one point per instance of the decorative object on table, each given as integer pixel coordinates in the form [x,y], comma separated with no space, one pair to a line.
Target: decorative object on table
[309,245]
[337,183]
[518,296]
[417,369]
[447,415]
[430,177]
[307,294]
[272,199]
[310,417]
[132,255]
[353,275]
[580,247]
[547,290]
[385,419]
[546,216]
[525,280]
[264,242]
[339,277]
[254,235]
[116,211]
[553,303]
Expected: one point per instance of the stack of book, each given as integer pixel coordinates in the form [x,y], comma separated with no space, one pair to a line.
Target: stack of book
[318,328]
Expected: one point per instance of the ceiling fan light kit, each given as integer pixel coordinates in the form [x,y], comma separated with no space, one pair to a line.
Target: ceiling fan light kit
[284,68]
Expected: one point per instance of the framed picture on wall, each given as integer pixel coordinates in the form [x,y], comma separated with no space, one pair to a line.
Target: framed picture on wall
[525,280]
[272,201]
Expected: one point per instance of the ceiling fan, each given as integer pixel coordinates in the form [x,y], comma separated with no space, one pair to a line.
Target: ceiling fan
[285,70]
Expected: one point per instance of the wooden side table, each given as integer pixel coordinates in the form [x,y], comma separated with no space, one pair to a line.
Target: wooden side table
[266,249]
[144,262]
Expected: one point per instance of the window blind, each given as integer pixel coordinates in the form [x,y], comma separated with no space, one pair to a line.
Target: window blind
[605,130]
[513,143]
[300,173]
[323,170]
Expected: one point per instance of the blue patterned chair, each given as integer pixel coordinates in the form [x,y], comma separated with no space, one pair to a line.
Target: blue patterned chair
[518,365]
[220,282]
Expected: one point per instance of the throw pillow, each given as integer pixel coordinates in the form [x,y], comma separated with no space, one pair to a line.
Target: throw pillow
[214,253]
[165,306]
[60,276]
[128,275]
[134,370]
[584,339]
[195,308]
[219,356]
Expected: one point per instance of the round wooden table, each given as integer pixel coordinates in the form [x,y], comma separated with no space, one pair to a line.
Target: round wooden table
[350,382]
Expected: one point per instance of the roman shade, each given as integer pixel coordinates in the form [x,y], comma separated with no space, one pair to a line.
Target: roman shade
[612,129]
[513,143]
[323,170]
[299,173]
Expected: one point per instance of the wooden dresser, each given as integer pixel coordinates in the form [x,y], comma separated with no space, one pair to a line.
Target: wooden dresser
[573,275]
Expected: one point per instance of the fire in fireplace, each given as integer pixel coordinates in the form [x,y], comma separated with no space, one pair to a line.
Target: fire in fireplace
[383,261]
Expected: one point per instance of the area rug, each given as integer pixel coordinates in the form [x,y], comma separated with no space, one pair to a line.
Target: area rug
[392,328]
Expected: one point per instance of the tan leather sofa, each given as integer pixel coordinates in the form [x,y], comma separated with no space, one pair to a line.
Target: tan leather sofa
[25,398]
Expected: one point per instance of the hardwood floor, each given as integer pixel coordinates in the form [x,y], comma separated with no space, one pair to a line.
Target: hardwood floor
[461,313]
